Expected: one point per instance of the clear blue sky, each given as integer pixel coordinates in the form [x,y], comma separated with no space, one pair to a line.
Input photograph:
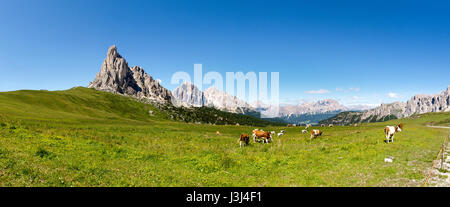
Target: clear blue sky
[376,48]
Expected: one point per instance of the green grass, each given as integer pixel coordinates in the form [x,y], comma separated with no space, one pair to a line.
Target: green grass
[83,137]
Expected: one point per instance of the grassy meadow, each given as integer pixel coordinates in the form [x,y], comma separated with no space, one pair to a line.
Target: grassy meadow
[83,137]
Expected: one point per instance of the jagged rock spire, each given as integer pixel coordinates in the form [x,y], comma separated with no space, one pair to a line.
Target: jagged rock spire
[116,76]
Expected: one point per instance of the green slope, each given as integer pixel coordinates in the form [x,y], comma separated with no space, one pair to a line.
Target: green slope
[88,105]
[83,137]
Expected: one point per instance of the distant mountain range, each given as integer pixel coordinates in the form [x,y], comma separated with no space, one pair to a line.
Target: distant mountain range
[117,77]
[418,104]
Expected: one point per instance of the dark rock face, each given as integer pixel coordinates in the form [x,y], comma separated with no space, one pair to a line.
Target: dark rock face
[117,77]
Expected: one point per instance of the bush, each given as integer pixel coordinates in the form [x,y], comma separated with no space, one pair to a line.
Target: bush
[42,153]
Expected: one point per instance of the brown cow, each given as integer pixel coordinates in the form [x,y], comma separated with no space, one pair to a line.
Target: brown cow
[315,133]
[261,134]
[244,139]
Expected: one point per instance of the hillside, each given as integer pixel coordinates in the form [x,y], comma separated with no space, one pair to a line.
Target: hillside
[352,117]
[82,104]
[84,137]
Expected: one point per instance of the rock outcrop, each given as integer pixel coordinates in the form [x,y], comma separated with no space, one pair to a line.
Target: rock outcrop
[117,77]
[189,95]
[418,104]
[224,101]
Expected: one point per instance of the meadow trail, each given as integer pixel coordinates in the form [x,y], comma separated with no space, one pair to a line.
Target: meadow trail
[440,176]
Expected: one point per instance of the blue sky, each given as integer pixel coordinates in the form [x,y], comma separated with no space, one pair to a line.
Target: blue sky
[358,52]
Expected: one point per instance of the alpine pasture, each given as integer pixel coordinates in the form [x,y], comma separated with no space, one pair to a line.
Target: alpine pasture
[84,137]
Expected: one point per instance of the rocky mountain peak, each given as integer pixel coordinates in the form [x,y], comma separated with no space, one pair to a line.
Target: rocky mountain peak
[117,77]
[189,95]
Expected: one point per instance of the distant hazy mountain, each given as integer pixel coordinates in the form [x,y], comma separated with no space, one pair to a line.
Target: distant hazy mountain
[322,106]
[187,94]
[418,104]
[310,112]
[224,101]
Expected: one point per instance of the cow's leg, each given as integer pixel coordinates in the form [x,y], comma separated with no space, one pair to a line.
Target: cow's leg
[387,138]
[393,138]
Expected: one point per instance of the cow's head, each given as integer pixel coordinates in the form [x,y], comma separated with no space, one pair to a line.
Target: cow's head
[399,127]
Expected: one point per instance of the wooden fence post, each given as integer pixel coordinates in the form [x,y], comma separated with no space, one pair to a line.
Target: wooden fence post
[442,157]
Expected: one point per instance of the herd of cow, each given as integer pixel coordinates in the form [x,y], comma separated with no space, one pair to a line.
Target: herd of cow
[260,135]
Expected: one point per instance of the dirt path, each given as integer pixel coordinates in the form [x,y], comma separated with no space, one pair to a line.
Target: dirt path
[440,176]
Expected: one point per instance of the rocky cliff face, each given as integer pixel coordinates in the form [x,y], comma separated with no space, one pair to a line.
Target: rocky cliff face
[396,109]
[224,101]
[116,76]
[418,104]
[188,95]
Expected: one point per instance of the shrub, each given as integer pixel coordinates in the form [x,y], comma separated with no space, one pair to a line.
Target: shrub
[42,153]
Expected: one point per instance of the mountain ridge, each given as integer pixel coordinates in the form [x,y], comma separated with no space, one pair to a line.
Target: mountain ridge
[117,77]
[417,104]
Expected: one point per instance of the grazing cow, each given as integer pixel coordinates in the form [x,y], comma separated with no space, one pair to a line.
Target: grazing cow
[272,133]
[308,125]
[315,133]
[289,125]
[331,125]
[262,134]
[304,131]
[244,139]
[281,133]
[389,131]
[253,134]
[322,125]
[218,133]
[356,125]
